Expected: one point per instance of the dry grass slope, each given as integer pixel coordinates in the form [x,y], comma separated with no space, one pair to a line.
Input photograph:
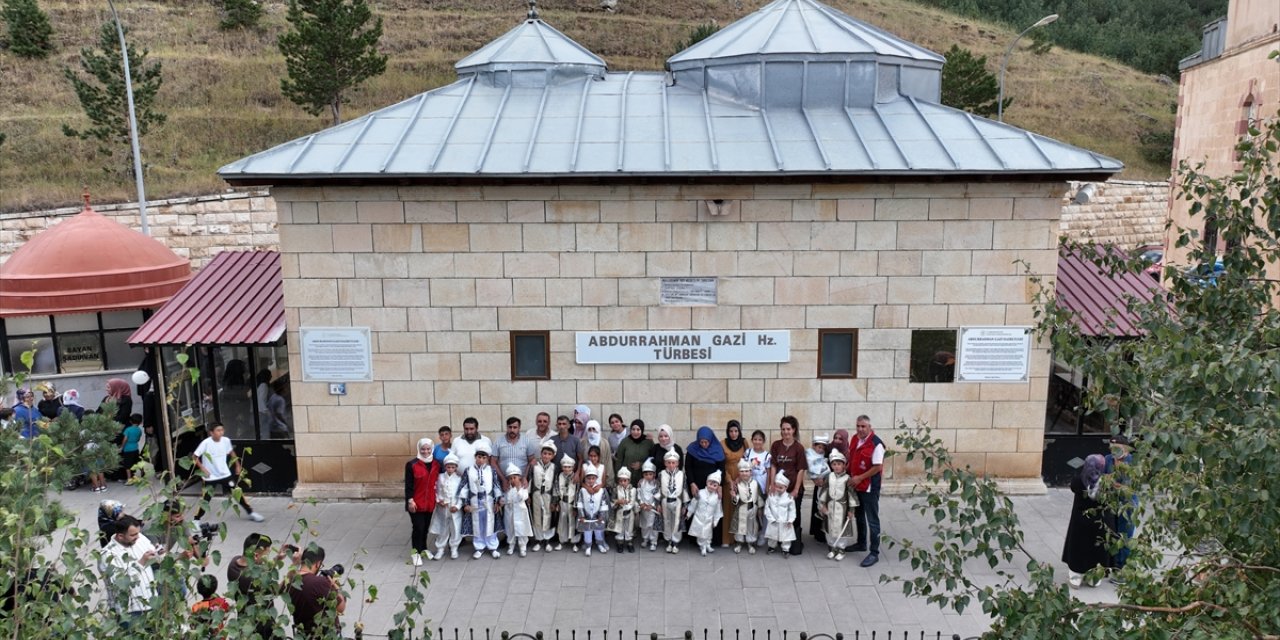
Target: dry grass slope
[222,94]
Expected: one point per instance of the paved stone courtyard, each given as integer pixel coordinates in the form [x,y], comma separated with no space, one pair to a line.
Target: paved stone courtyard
[628,592]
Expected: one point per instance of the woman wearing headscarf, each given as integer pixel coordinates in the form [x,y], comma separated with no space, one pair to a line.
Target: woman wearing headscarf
[119,391]
[840,442]
[25,414]
[420,476]
[593,437]
[1085,545]
[51,405]
[704,456]
[633,450]
[71,403]
[666,442]
[735,446]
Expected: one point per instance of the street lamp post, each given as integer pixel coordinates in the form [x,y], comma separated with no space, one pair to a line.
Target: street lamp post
[1004,63]
[133,121]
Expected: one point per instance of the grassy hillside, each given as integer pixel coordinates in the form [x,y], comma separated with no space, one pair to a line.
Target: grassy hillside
[222,95]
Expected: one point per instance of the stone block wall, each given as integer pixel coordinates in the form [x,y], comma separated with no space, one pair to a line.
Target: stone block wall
[442,274]
[1125,213]
[197,227]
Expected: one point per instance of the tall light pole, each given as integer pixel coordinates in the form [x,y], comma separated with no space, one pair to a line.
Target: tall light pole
[133,122]
[1004,64]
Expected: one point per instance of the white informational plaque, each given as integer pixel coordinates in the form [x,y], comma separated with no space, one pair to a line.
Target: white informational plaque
[336,354]
[688,292]
[994,354]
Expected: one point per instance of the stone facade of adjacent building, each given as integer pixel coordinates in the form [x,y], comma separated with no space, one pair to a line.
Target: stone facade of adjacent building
[1230,85]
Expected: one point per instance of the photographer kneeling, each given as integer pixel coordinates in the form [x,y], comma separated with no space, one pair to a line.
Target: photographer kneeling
[256,584]
[179,541]
[316,598]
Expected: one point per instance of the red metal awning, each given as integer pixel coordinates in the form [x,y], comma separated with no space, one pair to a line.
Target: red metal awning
[1097,300]
[238,298]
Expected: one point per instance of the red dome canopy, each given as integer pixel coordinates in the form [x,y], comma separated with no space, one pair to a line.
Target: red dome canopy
[89,263]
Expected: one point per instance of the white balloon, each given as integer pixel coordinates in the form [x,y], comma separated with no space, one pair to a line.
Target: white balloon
[141,377]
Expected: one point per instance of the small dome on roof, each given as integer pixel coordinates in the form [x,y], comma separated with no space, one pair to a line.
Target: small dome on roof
[531,55]
[793,51]
[89,263]
[801,30]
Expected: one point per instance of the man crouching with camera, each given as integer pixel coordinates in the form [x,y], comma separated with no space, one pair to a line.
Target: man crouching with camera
[177,541]
[316,597]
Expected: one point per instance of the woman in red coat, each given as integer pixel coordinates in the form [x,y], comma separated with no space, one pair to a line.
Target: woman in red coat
[420,476]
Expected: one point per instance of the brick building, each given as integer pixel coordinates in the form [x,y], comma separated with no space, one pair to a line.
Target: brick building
[1226,87]
[792,175]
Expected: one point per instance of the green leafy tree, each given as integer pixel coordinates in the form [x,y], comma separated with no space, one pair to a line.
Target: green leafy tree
[102,94]
[1201,390]
[30,34]
[240,14]
[331,47]
[966,83]
[51,577]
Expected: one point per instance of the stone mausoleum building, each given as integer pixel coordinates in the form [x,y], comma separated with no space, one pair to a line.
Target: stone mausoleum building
[786,221]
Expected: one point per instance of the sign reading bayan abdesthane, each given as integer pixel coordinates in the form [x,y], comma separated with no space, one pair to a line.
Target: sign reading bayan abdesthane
[682,347]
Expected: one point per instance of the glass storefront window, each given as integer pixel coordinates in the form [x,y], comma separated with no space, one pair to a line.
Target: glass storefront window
[121,354]
[271,392]
[235,394]
[44,364]
[77,322]
[77,343]
[186,396]
[122,319]
[79,352]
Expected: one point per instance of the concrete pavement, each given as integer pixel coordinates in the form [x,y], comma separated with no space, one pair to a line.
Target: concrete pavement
[628,592]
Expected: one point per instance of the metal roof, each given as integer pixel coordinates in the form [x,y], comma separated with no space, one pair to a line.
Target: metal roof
[801,27]
[238,298]
[1098,301]
[532,46]
[832,114]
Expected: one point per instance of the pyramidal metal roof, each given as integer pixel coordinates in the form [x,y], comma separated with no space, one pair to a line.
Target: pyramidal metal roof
[860,106]
[532,45]
[801,27]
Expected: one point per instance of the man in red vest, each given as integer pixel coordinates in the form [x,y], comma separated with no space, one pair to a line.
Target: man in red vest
[866,461]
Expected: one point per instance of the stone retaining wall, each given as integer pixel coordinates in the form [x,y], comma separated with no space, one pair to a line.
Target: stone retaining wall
[197,227]
[1124,212]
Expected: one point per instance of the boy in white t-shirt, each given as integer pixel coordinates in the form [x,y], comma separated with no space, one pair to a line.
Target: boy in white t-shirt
[211,459]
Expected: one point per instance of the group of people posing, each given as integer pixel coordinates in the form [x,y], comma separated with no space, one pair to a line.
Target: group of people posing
[547,490]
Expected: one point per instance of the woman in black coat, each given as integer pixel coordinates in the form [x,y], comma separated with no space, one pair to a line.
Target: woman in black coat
[1085,546]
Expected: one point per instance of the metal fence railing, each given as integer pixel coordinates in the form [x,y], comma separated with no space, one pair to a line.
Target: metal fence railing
[457,633]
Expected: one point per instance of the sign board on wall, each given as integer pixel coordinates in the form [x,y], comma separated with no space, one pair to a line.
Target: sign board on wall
[336,354]
[682,347]
[994,354]
[688,292]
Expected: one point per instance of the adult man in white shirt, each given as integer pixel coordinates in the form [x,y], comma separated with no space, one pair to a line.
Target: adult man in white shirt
[541,429]
[214,459]
[465,447]
[126,568]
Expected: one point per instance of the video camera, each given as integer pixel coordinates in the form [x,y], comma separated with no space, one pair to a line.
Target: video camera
[207,531]
[335,571]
